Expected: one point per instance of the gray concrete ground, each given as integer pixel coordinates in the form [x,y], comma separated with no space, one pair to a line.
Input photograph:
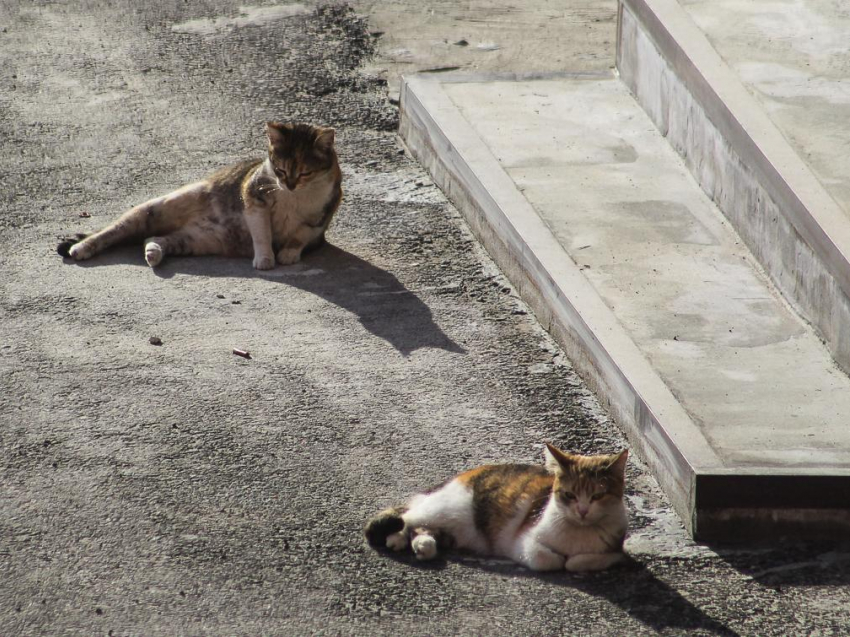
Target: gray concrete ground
[179,489]
[491,35]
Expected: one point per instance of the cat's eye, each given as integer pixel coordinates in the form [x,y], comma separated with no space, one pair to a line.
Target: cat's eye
[568,495]
[280,172]
[306,173]
[597,496]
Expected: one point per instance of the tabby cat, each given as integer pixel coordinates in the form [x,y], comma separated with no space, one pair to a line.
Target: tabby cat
[567,514]
[270,209]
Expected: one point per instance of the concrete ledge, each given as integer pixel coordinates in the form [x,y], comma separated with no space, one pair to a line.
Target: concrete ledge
[714,500]
[741,160]
[756,506]
[543,272]
[526,251]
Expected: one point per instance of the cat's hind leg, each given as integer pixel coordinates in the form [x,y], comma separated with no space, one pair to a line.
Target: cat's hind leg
[425,544]
[179,243]
[197,238]
[389,529]
[161,215]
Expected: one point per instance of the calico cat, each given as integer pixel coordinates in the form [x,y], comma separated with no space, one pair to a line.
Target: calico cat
[270,209]
[567,514]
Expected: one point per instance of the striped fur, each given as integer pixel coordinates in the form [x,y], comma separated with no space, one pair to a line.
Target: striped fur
[567,514]
[270,209]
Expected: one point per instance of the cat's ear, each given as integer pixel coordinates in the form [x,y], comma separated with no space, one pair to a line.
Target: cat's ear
[618,463]
[556,460]
[325,138]
[278,132]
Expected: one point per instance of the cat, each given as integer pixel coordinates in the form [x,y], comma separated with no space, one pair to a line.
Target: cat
[271,209]
[568,514]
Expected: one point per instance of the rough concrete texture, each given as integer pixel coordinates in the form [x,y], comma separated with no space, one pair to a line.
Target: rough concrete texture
[757,382]
[791,224]
[178,489]
[491,35]
[794,57]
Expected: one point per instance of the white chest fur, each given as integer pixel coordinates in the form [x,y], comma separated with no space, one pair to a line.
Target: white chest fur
[289,209]
[567,537]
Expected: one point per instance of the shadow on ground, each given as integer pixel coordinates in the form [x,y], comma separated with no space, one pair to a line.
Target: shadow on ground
[631,586]
[789,564]
[384,306]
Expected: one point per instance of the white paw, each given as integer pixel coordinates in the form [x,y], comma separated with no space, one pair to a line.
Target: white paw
[263,263]
[80,251]
[288,256]
[544,560]
[425,547]
[592,561]
[397,541]
[153,254]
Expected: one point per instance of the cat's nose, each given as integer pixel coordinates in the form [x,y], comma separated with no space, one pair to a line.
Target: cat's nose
[582,510]
[291,184]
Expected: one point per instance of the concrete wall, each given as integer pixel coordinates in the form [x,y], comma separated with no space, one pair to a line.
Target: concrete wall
[791,226]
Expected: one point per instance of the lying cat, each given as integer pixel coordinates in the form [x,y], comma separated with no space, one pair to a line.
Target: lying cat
[567,514]
[270,209]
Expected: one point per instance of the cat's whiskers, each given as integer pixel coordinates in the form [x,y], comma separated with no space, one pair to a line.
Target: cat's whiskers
[269,187]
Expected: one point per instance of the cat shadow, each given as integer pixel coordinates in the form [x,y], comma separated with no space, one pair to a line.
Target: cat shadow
[383,305]
[630,586]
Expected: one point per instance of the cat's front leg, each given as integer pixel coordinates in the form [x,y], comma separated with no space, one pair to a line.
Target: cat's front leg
[259,225]
[592,561]
[293,246]
[289,255]
[537,557]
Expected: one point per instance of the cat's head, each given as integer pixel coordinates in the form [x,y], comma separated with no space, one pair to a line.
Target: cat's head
[299,153]
[587,488]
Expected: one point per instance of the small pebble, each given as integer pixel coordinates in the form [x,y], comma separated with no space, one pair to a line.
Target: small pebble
[242,353]
[155,340]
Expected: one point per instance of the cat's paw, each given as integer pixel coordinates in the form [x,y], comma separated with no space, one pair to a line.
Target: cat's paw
[424,547]
[263,263]
[397,541]
[81,251]
[542,559]
[153,254]
[592,561]
[288,256]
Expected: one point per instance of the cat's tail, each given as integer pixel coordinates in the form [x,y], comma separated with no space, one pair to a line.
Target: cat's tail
[380,527]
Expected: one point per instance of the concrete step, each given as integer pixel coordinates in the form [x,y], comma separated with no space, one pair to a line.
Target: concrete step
[724,390]
[766,139]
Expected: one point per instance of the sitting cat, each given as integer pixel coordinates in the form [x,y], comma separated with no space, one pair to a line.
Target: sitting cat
[569,514]
[271,209]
